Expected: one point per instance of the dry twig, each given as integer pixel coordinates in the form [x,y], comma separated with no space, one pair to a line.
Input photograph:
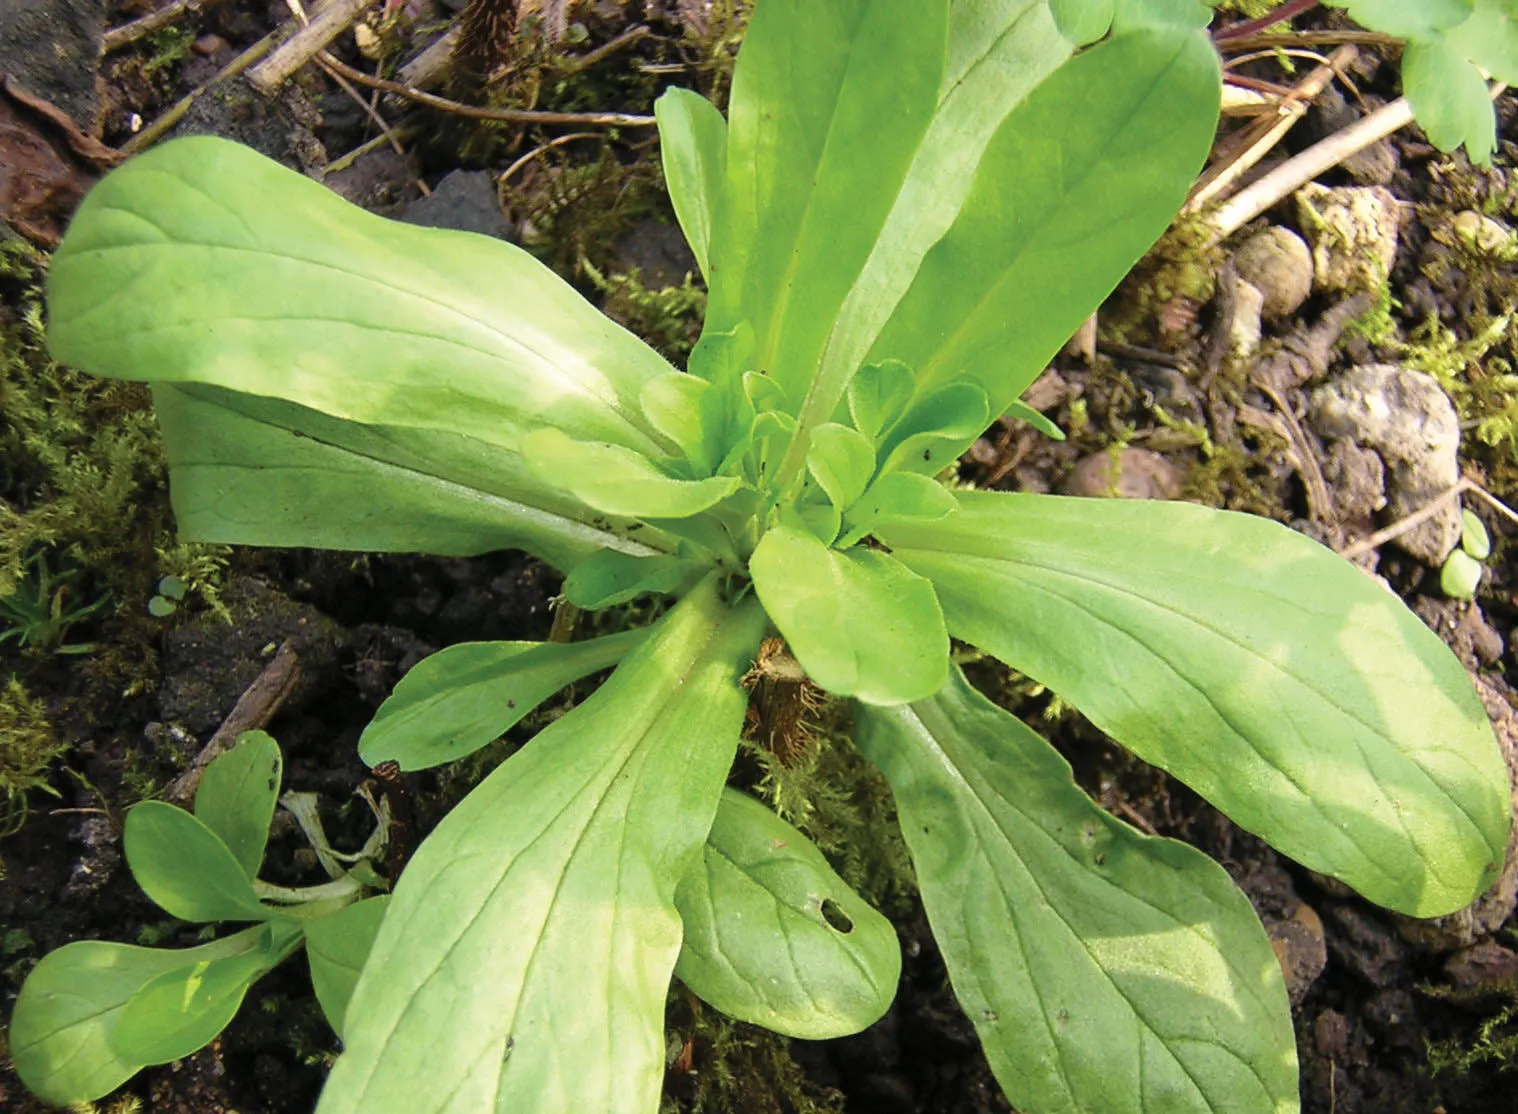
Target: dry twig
[330,20]
[154,131]
[128,33]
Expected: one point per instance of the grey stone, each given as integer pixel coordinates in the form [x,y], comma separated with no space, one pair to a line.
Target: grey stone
[1277,263]
[464,200]
[1353,232]
[52,49]
[1125,473]
[1407,418]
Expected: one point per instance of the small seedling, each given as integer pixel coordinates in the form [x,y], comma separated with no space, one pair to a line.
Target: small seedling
[1461,574]
[37,615]
[92,1014]
[171,591]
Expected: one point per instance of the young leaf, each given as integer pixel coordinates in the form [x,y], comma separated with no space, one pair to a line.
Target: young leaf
[860,623]
[842,461]
[62,1033]
[237,796]
[937,429]
[336,947]
[608,578]
[185,867]
[895,496]
[182,265]
[245,469]
[878,396]
[1042,238]
[1102,969]
[1020,410]
[182,1010]
[1449,97]
[617,480]
[1273,677]
[688,411]
[812,168]
[693,148]
[525,957]
[457,700]
[774,937]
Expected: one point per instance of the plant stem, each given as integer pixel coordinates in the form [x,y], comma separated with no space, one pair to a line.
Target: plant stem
[1288,10]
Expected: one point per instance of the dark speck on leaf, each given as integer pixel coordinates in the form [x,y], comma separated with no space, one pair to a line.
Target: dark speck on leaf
[927,454]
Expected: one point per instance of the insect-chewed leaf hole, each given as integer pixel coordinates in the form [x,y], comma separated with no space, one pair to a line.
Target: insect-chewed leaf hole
[836,917]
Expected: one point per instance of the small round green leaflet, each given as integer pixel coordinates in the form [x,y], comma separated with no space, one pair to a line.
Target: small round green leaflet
[1460,576]
[1473,536]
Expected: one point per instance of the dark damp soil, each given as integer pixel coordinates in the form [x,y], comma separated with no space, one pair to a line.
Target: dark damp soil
[1376,999]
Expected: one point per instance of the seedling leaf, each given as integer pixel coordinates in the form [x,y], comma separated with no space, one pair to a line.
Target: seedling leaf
[693,147]
[237,795]
[336,947]
[185,867]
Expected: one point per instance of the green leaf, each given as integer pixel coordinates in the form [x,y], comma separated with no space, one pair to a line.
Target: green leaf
[774,937]
[1489,38]
[1082,21]
[1024,413]
[336,947]
[609,578]
[185,867]
[237,796]
[878,396]
[1449,97]
[1102,969]
[1042,237]
[201,260]
[693,147]
[1273,677]
[182,1010]
[1407,19]
[525,958]
[457,700]
[820,137]
[247,470]
[62,1033]
[689,412]
[1473,536]
[895,496]
[617,480]
[1460,576]
[860,623]
[937,429]
[842,461]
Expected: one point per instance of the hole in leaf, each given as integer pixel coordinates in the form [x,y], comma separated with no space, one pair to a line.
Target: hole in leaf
[836,917]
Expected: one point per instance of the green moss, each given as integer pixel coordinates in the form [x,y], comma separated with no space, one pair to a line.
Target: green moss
[739,1069]
[668,318]
[1495,1044]
[28,747]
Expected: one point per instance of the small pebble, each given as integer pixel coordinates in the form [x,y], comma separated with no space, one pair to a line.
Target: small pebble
[1126,474]
[1277,263]
[208,45]
[1353,233]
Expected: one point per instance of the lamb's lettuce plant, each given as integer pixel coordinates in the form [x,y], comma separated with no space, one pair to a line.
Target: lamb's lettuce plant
[93,1013]
[909,208]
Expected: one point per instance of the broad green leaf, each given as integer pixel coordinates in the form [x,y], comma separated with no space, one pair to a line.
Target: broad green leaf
[182,1010]
[693,147]
[1082,21]
[525,957]
[618,480]
[878,395]
[1407,19]
[457,700]
[1489,38]
[820,137]
[1449,97]
[62,1033]
[1273,677]
[1102,969]
[203,261]
[774,937]
[248,470]
[336,947]
[860,623]
[609,578]
[185,867]
[895,496]
[237,796]
[842,461]
[1043,236]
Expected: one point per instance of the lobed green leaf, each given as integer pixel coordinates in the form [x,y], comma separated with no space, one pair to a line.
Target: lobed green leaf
[1102,969]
